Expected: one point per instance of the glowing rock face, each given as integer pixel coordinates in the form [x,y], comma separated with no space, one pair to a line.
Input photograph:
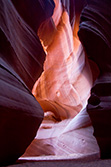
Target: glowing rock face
[63,82]
[66,80]
[62,90]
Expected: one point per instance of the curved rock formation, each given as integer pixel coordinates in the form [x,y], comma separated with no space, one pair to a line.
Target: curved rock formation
[21,63]
[95,35]
[66,80]
[61,72]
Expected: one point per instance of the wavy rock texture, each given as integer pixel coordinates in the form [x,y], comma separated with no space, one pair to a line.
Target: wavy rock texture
[22,43]
[95,36]
[20,115]
[21,63]
[44,53]
[63,89]
[66,79]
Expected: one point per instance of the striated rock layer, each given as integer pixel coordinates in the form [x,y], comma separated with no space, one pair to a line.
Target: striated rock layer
[21,63]
[64,86]
[39,43]
[95,35]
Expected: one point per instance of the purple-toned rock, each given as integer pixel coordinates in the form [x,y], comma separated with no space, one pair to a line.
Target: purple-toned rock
[95,35]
